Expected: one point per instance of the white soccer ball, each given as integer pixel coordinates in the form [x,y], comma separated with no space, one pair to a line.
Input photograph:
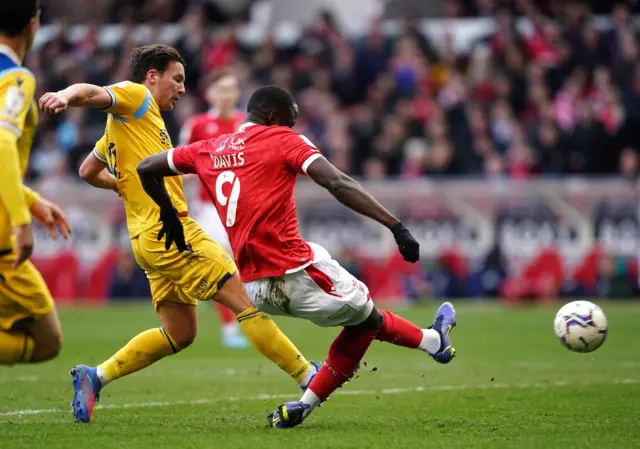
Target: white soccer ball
[581,326]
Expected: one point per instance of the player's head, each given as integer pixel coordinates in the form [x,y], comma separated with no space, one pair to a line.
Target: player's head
[272,105]
[223,91]
[20,19]
[161,69]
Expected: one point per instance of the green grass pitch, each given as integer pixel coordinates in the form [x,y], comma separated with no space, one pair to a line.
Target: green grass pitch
[512,385]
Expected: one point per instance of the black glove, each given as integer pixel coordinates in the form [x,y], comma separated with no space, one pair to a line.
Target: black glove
[172,229]
[408,246]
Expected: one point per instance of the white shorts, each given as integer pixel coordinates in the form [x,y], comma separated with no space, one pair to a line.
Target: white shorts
[208,218]
[323,292]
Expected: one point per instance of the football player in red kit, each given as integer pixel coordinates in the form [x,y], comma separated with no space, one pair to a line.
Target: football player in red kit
[223,117]
[250,176]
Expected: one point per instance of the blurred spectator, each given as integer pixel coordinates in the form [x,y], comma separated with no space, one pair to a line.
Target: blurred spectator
[613,39]
[552,95]
[545,92]
[629,163]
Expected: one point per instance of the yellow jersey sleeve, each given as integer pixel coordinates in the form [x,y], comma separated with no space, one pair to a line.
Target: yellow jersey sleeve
[24,150]
[31,196]
[28,132]
[128,100]
[17,89]
[100,150]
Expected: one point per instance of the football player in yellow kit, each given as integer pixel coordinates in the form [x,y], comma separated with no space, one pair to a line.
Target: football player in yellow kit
[196,267]
[29,326]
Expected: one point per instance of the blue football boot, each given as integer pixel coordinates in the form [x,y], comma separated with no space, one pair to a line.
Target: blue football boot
[290,414]
[443,323]
[86,391]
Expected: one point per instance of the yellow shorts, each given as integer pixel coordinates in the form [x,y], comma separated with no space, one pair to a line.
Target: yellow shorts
[187,277]
[24,296]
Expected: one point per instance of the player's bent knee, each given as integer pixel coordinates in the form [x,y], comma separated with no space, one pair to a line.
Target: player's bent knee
[373,322]
[183,333]
[47,335]
[180,321]
[185,340]
[47,349]
[186,335]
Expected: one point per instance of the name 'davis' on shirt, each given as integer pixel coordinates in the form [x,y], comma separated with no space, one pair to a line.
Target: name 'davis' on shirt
[227,160]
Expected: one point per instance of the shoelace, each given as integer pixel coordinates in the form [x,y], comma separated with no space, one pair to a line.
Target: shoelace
[438,322]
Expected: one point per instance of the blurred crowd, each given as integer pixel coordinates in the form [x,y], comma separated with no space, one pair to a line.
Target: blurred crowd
[554,96]
[544,93]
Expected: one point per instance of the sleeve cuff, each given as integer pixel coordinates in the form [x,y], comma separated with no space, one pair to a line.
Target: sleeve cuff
[171,164]
[113,99]
[31,196]
[309,160]
[100,157]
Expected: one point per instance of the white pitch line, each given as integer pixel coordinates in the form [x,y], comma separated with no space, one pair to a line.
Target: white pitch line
[260,397]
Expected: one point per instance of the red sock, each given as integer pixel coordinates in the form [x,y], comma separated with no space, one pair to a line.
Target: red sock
[226,315]
[345,353]
[398,331]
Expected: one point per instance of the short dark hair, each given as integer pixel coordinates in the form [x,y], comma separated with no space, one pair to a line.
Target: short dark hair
[273,99]
[149,57]
[16,14]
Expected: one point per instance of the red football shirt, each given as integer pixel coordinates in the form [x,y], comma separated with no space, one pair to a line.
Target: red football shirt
[251,175]
[209,126]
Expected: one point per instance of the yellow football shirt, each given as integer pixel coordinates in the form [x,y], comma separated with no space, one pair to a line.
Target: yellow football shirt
[135,129]
[18,121]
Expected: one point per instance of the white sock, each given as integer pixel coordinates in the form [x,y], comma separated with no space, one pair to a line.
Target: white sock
[306,379]
[104,380]
[312,400]
[430,341]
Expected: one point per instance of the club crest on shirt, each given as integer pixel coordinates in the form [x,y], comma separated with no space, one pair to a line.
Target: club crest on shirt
[165,139]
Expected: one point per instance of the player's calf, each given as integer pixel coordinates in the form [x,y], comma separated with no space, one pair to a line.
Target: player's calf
[343,360]
[434,340]
[263,333]
[348,349]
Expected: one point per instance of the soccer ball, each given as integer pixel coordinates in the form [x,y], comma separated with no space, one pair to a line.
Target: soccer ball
[581,326]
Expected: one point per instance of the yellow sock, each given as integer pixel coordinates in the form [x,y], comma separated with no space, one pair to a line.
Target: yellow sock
[143,350]
[266,337]
[15,347]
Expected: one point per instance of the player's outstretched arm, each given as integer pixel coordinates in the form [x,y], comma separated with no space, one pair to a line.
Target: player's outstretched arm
[152,170]
[76,95]
[95,173]
[350,193]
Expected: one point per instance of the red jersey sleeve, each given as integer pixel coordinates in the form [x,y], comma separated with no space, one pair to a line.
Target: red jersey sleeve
[298,151]
[182,160]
